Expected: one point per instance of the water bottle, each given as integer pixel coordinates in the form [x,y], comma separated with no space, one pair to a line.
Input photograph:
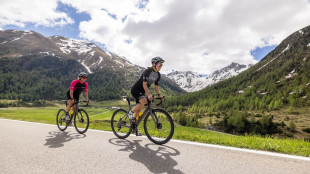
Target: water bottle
[139,115]
[71,113]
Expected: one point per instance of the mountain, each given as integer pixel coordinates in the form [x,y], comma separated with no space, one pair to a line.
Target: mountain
[283,76]
[36,67]
[192,81]
[271,97]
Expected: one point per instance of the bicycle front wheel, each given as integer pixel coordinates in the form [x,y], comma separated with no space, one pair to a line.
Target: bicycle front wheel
[60,119]
[159,132]
[81,121]
[120,124]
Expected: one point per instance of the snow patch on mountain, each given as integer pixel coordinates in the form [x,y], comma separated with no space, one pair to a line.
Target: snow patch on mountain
[80,46]
[88,69]
[120,63]
[108,53]
[100,60]
[48,53]
[23,35]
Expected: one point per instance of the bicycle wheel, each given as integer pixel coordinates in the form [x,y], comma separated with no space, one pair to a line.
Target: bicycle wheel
[81,121]
[60,119]
[161,132]
[120,124]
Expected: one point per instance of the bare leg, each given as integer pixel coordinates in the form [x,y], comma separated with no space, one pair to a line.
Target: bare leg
[139,106]
[70,103]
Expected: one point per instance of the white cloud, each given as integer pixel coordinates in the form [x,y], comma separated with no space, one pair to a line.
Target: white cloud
[198,35]
[37,12]
[182,31]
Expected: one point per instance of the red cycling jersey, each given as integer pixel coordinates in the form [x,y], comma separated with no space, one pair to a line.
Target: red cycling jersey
[77,86]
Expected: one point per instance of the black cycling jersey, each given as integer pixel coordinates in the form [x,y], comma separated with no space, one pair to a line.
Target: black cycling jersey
[149,76]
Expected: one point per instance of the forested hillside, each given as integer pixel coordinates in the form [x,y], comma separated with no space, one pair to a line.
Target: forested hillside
[33,77]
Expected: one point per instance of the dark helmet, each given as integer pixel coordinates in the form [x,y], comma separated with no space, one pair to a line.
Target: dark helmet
[157,59]
[83,74]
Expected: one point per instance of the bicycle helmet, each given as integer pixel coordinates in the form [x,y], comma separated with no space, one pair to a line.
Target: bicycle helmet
[83,74]
[157,59]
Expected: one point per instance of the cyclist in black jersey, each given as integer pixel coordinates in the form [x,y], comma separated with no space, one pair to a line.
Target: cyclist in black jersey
[149,76]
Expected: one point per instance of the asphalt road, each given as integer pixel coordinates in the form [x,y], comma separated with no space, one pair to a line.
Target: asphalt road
[40,148]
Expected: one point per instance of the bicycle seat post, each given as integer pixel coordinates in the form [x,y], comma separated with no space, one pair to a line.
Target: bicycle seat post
[127,98]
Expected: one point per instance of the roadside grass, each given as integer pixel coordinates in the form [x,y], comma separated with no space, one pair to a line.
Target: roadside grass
[100,120]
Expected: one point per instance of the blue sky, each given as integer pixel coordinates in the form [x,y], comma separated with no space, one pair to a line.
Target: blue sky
[69,30]
[201,36]
[260,53]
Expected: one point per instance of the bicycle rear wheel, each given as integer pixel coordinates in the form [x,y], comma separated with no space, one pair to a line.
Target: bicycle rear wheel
[81,121]
[120,124]
[162,131]
[60,120]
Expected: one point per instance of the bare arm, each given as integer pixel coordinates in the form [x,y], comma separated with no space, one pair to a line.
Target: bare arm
[157,90]
[71,94]
[86,96]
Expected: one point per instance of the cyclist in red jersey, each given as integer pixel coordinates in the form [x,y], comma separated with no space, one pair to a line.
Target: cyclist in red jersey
[76,88]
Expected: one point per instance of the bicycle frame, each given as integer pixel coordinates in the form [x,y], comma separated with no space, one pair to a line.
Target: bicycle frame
[76,109]
[147,110]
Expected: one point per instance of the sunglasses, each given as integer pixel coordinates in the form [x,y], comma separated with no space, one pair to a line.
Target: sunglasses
[84,77]
[159,65]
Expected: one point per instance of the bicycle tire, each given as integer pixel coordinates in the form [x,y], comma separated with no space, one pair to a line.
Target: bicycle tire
[81,121]
[60,120]
[156,134]
[119,126]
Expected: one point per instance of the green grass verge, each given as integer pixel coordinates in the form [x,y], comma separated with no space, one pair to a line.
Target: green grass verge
[100,120]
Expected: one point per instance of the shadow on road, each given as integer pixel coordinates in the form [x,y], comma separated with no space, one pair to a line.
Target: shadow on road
[58,138]
[156,158]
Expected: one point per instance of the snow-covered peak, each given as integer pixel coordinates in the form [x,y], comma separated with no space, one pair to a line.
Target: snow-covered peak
[192,81]
[187,80]
[227,72]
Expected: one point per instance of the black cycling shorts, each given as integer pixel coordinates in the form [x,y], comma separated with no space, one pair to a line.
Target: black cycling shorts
[76,97]
[137,94]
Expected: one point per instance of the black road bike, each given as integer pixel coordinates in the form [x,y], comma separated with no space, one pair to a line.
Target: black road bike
[79,117]
[158,124]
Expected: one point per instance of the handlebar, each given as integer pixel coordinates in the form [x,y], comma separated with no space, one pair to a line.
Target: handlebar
[84,101]
[76,102]
[157,98]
